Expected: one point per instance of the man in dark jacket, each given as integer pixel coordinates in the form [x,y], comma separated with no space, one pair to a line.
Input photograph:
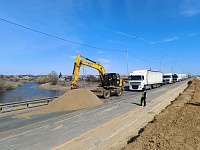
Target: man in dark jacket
[143,97]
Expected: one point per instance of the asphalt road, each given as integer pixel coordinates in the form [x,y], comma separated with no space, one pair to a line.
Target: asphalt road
[48,131]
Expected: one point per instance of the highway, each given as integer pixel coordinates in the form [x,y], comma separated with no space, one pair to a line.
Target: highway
[57,130]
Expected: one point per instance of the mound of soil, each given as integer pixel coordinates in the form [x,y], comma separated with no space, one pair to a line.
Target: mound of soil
[71,100]
[177,127]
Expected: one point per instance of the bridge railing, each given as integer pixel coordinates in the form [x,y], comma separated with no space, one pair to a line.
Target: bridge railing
[14,106]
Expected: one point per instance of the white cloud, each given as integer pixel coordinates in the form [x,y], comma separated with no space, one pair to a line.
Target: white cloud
[77,51]
[104,60]
[190,8]
[189,13]
[99,52]
[192,34]
[166,40]
[72,57]
[125,34]
[128,35]
[117,32]
[170,39]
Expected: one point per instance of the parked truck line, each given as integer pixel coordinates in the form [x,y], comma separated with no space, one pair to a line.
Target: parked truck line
[147,79]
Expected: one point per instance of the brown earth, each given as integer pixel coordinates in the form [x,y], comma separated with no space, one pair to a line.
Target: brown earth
[177,127]
[65,86]
[71,100]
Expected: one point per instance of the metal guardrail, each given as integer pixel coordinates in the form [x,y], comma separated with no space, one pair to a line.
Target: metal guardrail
[14,106]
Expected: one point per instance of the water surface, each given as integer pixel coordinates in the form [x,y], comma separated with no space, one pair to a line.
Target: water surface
[26,91]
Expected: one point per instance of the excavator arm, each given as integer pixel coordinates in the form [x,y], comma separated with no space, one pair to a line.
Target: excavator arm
[87,62]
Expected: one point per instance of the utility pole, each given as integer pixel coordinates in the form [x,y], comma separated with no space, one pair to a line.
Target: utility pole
[161,62]
[127,53]
[173,66]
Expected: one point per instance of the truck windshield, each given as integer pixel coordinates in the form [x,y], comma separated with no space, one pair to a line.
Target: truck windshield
[167,76]
[138,77]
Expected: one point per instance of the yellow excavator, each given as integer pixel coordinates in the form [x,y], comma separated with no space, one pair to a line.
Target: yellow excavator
[110,83]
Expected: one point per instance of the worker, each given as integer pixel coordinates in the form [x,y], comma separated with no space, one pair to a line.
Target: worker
[110,80]
[143,97]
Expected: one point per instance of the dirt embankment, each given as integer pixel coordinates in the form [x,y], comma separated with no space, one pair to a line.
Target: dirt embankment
[177,127]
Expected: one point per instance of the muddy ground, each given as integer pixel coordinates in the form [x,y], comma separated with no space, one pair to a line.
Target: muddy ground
[176,127]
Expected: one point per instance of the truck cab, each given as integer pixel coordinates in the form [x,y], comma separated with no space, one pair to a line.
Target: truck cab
[167,78]
[136,82]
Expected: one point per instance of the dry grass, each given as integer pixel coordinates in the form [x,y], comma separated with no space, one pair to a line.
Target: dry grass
[9,85]
[2,85]
[42,80]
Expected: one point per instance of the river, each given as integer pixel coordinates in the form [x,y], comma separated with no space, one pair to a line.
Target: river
[26,91]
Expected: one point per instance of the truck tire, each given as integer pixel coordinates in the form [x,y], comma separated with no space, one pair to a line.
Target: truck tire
[106,94]
[119,92]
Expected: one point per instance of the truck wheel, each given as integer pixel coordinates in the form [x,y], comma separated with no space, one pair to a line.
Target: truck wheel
[106,94]
[150,87]
[119,92]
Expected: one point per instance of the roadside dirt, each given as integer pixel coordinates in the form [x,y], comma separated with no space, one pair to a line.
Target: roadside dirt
[176,127]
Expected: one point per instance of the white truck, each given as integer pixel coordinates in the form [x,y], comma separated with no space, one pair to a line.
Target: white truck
[148,79]
[170,78]
[181,77]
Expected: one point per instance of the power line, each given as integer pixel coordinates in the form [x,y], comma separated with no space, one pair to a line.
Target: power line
[56,37]
[165,65]
[63,39]
[142,59]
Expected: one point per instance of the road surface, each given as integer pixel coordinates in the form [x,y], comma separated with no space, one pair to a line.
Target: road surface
[108,126]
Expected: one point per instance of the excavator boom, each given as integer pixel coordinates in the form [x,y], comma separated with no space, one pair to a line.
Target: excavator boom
[90,63]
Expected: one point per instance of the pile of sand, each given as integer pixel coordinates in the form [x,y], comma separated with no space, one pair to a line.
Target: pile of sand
[71,100]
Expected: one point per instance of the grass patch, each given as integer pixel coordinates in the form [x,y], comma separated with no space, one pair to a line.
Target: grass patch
[9,85]
[42,80]
[4,85]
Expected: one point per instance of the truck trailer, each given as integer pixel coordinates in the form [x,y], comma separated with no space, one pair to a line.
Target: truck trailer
[147,79]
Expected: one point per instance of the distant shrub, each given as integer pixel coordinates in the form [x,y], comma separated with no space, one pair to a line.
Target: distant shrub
[42,80]
[53,78]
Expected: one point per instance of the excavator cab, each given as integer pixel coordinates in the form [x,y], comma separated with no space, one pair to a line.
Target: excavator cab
[112,80]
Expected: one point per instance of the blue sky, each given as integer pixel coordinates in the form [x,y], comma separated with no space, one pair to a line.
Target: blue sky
[152,31]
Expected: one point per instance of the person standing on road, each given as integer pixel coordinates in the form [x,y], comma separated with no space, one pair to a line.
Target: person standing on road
[143,97]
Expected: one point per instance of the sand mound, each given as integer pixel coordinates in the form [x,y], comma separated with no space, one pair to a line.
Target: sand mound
[71,100]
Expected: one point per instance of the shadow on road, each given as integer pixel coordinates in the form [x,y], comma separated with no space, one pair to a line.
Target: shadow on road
[195,104]
[136,103]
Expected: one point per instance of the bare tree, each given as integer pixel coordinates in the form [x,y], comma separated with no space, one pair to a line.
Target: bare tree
[53,78]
